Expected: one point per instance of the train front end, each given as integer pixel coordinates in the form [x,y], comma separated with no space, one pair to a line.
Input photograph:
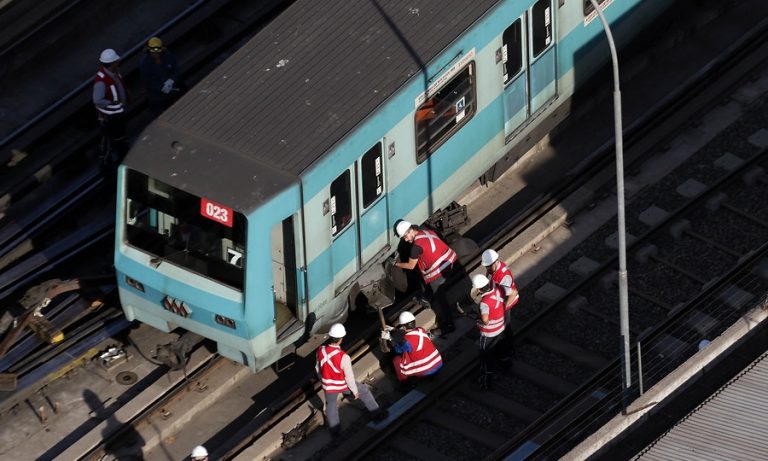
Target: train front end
[180,262]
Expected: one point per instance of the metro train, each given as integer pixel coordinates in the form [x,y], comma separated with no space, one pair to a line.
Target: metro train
[257,208]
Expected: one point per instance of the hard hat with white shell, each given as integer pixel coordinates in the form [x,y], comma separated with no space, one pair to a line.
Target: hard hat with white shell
[489,257]
[402,227]
[479,281]
[337,331]
[109,56]
[199,452]
[405,317]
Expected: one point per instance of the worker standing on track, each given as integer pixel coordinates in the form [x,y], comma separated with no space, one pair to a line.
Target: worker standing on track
[160,75]
[435,260]
[490,323]
[418,356]
[499,273]
[110,97]
[334,368]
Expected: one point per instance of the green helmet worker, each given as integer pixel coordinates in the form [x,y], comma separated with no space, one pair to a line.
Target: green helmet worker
[160,74]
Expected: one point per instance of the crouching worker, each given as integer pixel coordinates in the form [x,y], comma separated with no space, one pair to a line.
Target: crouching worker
[336,376]
[418,356]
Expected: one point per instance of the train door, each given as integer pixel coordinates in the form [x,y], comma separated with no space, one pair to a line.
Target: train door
[358,208]
[528,65]
[372,204]
[287,279]
[345,243]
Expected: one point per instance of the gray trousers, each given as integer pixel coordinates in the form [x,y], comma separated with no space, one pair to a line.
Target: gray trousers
[332,406]
[487,361]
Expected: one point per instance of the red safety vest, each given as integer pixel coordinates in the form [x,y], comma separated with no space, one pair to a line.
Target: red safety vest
[498,276]
[435,256]
[329,365]
[117,107]
[423,358]
[495,302]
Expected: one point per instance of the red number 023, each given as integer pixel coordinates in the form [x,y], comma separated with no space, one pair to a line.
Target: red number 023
[216,212]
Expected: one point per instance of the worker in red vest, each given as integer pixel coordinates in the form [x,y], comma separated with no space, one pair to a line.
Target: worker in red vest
[490,322]
[334,368]
[435,260]
[110,97]
[499,273]
[418,356]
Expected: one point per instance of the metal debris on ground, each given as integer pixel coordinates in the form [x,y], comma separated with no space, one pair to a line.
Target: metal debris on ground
[112,356]
[301,430]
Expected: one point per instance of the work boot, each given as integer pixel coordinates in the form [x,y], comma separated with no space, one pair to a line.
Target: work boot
[484,382]
[407,386]
[379,414]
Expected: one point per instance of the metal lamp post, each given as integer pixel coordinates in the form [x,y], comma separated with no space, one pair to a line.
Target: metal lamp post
[623,296]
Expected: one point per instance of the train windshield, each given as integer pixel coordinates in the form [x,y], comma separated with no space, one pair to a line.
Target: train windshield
[182,229]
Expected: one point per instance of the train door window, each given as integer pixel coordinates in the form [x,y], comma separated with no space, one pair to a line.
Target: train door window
[588,8]
[372,175]
[341,203]
[541,23]
[444,112]
[512,50]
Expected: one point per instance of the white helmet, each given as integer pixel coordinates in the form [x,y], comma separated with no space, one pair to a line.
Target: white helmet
[405,317]
[402,227]
[108,56]
[337,331]
[479,281]
[489,257]
[199,452]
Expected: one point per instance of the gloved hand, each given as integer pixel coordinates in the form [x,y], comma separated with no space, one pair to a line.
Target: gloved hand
[168,86]
[385,335]
[398,336]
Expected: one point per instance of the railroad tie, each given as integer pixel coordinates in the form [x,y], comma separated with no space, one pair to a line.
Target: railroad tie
[45,330]
[8,382]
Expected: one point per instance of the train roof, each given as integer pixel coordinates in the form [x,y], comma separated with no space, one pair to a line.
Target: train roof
[301,84]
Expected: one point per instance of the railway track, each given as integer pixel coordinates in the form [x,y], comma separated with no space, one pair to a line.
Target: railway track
[564,380]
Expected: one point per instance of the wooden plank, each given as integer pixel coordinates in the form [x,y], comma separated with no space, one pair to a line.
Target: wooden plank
[8,381]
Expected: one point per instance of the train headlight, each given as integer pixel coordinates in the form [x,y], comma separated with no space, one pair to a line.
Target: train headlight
[226,321]
[134,283]
[176,306]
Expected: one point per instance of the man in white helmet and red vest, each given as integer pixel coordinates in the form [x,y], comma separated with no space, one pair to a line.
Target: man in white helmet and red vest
[418,355]
[110,97]
[499,273]
[490,322]
[435,260]
[334,368]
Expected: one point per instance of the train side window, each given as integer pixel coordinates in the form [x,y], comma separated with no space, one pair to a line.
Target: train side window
[588,8]
[341,203]
[372,175]
[512,50]
[541,23]
[443,113]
